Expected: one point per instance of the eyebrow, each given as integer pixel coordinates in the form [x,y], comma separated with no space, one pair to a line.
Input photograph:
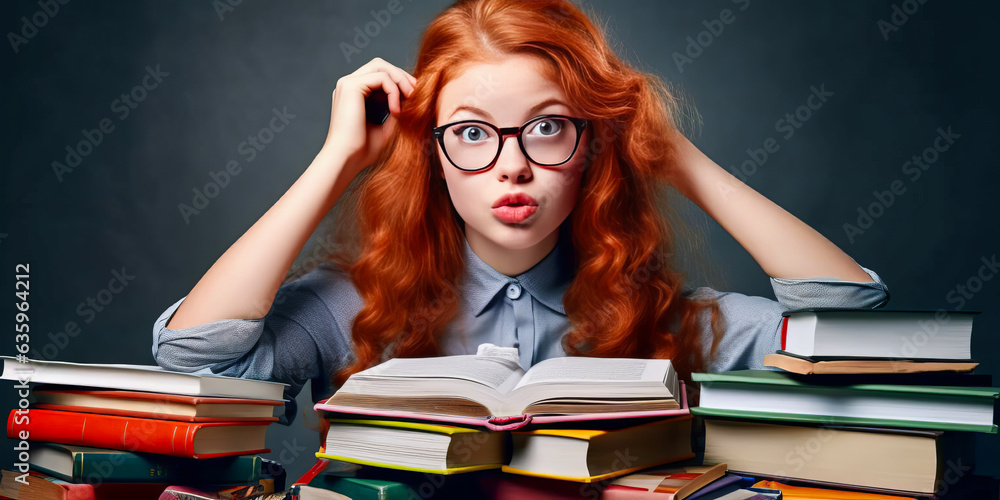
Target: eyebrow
[548,102]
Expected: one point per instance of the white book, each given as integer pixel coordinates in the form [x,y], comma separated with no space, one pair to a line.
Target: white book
[138,378]
[473,385]
[821,334]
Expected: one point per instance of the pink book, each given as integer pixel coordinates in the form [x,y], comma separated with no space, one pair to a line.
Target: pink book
[506,423]
[464,389]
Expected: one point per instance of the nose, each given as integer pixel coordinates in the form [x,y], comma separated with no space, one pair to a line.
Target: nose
[512,164]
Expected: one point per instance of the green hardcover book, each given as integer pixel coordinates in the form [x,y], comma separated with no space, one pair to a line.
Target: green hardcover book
[364,489]
[779,396]
[84,464]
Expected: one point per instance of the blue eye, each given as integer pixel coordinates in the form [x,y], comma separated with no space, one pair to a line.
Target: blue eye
[548,127]
[472,133]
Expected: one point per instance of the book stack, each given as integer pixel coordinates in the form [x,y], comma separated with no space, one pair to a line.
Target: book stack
[573,423]
[128,431]
[881,401]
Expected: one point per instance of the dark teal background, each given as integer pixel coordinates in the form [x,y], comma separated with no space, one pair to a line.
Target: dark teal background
[226,75]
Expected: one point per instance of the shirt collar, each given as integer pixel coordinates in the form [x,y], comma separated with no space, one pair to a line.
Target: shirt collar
[546,281]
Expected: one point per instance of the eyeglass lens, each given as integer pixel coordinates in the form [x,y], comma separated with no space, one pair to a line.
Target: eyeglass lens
[548,141]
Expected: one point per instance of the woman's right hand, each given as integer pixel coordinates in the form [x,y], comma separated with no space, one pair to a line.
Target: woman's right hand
[351,137]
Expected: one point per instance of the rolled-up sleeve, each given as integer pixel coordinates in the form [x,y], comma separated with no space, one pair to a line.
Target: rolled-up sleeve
[752,325]
[305,336]
[830,292]
[203,347]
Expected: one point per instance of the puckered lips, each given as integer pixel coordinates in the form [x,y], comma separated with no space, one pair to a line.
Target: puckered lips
[514,207]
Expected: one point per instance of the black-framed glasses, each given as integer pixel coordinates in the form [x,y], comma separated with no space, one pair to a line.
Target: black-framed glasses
[547,141]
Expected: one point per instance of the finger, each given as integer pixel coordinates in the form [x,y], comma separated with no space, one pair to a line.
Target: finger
[394,91]
[369,82]
[401,77]
[394,103]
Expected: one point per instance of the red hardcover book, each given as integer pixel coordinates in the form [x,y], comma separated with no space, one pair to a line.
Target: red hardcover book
[179,439]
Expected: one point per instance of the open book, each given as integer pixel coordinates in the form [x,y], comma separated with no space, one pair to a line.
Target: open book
[495,391]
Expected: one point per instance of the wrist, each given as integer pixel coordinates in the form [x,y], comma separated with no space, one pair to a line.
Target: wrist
[690,166]
[703,181]
[331,154]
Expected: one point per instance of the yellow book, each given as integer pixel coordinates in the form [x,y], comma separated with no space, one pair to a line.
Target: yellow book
[594,455]
[413,446]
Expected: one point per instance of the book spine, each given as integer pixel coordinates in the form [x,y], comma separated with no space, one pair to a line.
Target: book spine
[313,471]
[784,332]
[69,491]
[365,489]
[79,491]
[501,424]
[107,431]
[125,467]
[831,420]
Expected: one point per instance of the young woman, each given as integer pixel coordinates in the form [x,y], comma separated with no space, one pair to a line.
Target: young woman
[512,200]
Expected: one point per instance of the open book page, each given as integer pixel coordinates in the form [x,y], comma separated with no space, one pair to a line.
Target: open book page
[494,372]
[572,379]
[574,369]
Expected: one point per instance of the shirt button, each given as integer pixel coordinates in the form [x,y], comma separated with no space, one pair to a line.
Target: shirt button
[513,291]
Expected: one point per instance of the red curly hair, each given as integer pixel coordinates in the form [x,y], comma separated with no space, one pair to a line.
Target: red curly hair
[625,300]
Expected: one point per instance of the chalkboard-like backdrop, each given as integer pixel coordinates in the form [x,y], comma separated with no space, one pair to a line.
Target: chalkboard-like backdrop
[143,138]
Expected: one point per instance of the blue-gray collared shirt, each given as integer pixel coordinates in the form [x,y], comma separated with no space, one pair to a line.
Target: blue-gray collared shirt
[306,334]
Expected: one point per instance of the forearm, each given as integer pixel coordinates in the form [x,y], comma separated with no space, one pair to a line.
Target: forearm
[243,282]
[783,245]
